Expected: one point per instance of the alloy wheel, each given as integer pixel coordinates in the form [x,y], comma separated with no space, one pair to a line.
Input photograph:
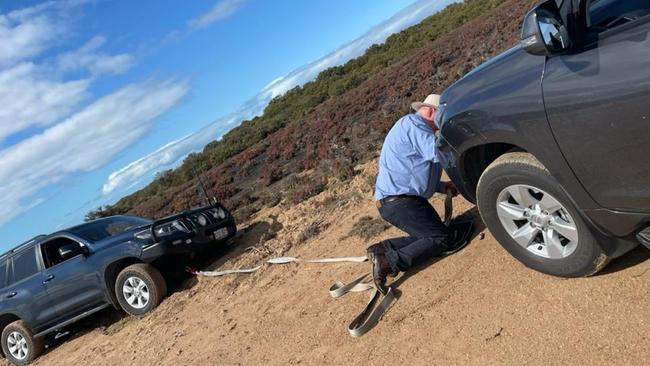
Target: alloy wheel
[17,345]
[136,292]
[537,221]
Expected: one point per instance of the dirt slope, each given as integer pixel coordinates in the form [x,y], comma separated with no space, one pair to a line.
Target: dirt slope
[477,307]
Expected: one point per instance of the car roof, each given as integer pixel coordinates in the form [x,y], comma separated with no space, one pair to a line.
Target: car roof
[40,238]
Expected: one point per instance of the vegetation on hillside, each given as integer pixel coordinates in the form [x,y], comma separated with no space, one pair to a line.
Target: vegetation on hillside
[298,102]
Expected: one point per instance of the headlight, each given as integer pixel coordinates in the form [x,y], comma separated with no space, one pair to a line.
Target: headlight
[218,213]
[170,228]
[144,234]
[200,219]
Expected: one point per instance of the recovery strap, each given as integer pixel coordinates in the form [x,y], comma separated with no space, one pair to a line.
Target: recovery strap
[374,309]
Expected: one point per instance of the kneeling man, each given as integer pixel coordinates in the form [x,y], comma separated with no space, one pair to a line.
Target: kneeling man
[409,174]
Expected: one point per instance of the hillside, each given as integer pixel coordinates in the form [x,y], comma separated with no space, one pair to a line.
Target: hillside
[477,307]
[331,124]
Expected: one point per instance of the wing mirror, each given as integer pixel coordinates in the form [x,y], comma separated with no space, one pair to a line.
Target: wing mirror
[71,250]
[543,31]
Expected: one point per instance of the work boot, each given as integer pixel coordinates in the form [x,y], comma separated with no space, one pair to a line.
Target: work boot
[380,267]
[379,249]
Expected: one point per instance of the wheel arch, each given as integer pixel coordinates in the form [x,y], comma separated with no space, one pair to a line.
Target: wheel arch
[111,272]
[6,319]
[476,159]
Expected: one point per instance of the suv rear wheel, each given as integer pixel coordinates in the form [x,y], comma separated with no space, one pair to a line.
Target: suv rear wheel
[19,345]
[139,288]
[533,219]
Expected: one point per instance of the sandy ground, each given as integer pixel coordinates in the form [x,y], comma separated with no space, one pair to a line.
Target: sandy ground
[477,307]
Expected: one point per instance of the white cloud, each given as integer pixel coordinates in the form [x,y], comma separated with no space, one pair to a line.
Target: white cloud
[22,37]
[82,142]
[89,57]
[40,87]
[27,32]
[172,153]
[37,94]
[220,11]
[29,98]
[131,173]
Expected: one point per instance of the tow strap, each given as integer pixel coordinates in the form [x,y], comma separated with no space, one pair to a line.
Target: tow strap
[363,322]
[372,312]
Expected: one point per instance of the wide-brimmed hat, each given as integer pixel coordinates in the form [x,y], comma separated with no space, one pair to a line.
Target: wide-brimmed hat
[432,100]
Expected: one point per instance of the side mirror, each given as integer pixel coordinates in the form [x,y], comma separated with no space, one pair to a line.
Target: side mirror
[543,32]
[70,250]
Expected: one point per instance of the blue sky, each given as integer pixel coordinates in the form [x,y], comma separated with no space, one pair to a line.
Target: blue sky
[98,96]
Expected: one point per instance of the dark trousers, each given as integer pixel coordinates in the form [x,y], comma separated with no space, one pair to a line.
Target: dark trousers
[428,236]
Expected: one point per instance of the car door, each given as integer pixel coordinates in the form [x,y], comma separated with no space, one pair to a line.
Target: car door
[73,284]
[598,103]
[25,294]
[3,278]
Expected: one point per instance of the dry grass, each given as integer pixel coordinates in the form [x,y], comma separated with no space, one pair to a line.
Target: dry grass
[368,227]
[312,230]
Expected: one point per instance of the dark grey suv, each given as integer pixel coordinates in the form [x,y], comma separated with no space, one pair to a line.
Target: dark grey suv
[54,280]
[551,139]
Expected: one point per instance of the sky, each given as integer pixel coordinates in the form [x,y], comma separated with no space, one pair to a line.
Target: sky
[97,96]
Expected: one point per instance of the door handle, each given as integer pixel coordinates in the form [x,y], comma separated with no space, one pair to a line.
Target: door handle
[11,294]
[48,279]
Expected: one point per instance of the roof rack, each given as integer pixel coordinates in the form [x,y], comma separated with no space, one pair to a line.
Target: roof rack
[20,246]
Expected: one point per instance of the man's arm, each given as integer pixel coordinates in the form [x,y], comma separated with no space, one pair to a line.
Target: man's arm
[424,143]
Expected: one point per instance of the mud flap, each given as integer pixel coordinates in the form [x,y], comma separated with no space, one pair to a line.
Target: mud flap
[644,237]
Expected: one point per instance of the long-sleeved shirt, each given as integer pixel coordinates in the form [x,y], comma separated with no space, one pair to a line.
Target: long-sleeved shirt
[408,163]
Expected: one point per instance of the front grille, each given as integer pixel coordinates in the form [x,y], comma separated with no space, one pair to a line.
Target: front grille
[187,225]
[207,219]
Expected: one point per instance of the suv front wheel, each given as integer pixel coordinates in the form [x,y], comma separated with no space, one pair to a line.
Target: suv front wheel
[529,214]
[19,345]
[139,288]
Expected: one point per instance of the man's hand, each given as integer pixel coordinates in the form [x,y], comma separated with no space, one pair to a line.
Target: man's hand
[449,186]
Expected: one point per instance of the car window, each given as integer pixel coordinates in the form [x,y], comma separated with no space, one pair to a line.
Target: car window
[52,255]
[118,227]
[24,265]
[607,14]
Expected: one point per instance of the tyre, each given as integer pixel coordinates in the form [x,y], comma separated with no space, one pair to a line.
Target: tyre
[534,220]
[139,288]
[19,345]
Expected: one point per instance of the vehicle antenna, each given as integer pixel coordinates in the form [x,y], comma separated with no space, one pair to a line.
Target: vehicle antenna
[202,192]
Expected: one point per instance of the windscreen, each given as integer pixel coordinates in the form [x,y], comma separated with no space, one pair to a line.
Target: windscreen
[105,228]
[609,13]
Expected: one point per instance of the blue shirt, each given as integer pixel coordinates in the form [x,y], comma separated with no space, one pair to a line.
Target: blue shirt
[408,163]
